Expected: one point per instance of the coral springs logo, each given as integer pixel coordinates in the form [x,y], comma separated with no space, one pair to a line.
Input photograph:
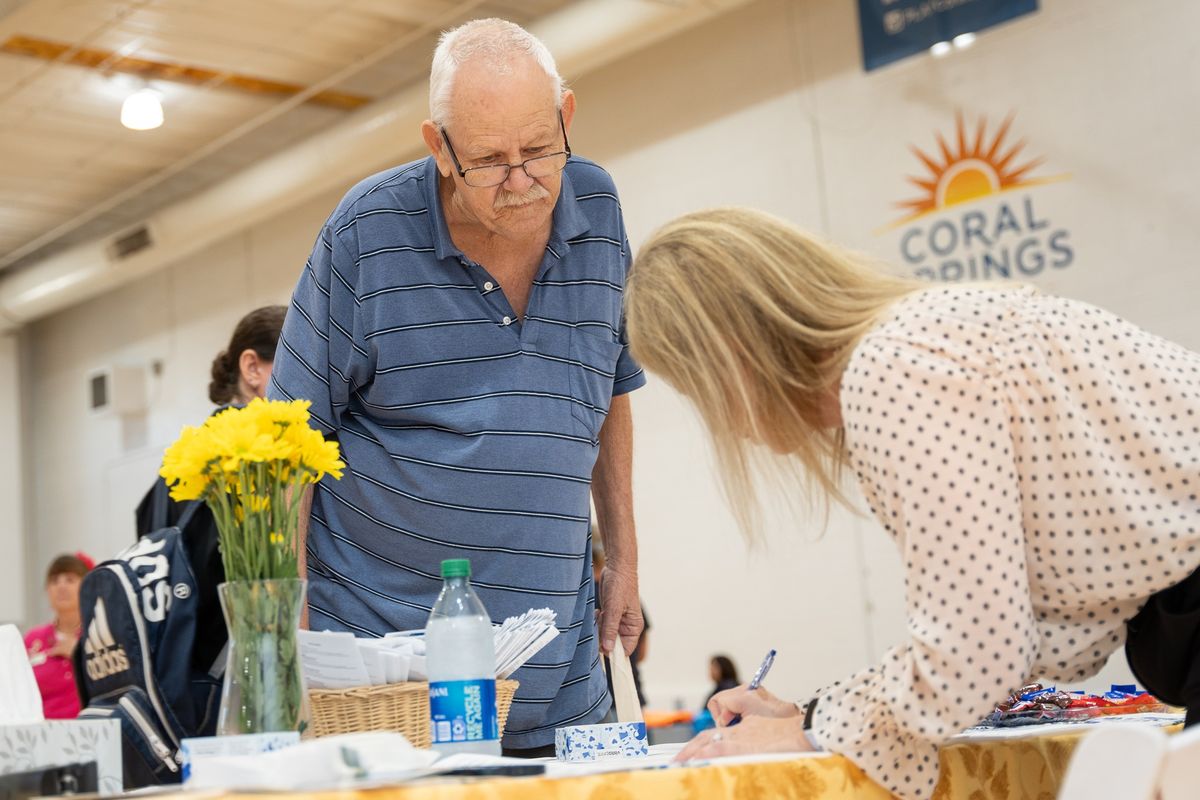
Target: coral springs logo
[970,170]
[1002,235]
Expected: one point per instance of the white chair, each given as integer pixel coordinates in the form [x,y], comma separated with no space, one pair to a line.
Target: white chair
[1180,775]
[1119,762]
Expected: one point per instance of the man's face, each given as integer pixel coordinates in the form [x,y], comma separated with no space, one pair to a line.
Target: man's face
[504,120]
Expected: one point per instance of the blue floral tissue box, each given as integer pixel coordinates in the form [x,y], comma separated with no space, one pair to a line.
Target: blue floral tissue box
[592,742]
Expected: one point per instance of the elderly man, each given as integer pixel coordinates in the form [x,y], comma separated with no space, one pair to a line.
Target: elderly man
[458,328]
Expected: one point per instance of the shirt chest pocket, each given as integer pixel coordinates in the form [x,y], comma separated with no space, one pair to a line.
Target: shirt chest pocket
[593,363]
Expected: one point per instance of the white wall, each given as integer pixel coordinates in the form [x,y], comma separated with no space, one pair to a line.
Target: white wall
[14,572]
[91,471]
[768,107]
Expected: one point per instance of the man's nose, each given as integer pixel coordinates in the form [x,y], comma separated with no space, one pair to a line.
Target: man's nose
[518,181]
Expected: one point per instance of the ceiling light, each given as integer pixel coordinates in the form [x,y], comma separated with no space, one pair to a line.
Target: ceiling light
[142,110]
[941,49]
[964,40]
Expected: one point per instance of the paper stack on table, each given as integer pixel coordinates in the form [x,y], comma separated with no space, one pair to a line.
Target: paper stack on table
[520,638]
[339,660]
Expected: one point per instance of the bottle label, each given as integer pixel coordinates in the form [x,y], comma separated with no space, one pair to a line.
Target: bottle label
[463,711]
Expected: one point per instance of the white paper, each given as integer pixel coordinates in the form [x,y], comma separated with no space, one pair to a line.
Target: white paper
[1058,728]
[392,659]
[340,660]
[373,663]
[331,660]
[326,762]
[20,700]
[395,666]
[520,638]
[416,669]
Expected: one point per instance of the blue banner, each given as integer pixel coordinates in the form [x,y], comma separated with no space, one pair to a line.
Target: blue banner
[896,29]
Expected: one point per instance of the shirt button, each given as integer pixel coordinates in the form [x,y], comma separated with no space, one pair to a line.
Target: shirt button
[507,320]
[489,286]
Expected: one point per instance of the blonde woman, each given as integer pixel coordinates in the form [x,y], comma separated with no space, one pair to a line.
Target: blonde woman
[1037,461]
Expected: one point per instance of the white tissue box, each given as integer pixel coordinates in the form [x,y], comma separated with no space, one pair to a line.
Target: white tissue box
[57,743]
[247,744]
[593,742]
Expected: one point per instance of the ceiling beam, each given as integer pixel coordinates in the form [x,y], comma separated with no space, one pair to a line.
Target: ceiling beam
[150,70]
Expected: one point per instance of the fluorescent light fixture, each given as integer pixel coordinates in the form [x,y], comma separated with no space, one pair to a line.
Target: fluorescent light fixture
[142,110]
[964,40]
[941,49]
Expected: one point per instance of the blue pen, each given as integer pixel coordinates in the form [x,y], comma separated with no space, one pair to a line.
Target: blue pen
[757,680]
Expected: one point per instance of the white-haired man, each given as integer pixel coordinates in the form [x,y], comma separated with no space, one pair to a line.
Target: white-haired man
[458,328]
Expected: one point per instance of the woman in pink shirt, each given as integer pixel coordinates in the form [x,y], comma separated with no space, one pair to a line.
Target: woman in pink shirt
[50,646]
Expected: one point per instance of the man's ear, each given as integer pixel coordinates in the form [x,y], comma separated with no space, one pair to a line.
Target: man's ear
[568,110]
[432,135]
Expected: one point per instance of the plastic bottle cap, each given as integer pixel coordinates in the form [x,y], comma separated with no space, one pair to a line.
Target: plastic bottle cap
[456,568]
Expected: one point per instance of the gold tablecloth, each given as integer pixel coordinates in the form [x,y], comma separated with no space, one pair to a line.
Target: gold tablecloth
[1009,769]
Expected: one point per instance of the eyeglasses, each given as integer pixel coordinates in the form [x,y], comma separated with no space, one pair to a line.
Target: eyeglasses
[496,174]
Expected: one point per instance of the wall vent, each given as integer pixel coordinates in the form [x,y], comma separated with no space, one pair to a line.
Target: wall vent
[130,243]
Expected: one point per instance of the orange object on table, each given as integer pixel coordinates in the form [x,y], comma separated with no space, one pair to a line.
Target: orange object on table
[665,719]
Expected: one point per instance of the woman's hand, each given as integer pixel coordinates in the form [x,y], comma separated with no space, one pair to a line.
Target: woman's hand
[63,646]
[726,705]
[751,735]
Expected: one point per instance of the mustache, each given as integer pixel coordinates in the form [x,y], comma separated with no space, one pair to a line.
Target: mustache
[507,199]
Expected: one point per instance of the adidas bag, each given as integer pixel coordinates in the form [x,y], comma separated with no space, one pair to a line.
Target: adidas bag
[134,662]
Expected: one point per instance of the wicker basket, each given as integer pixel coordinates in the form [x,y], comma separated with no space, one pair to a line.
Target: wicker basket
[402,707]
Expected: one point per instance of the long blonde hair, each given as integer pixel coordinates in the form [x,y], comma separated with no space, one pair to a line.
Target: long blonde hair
[754,321]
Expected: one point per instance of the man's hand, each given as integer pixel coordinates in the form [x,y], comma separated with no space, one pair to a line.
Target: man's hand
[752,735]
[620,610]
[741,702]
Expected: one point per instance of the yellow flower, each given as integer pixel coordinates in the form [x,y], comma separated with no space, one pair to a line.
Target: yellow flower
[310,452]
[237,461]
[238,438]
[293,413]
[253,504]
[186,464]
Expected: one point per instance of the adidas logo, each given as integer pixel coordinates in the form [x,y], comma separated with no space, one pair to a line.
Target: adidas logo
[103,657]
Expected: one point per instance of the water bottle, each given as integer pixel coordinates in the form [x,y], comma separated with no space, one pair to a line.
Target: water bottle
[461,662]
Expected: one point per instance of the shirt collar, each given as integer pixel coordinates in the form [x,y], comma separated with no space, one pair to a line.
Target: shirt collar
[567,222]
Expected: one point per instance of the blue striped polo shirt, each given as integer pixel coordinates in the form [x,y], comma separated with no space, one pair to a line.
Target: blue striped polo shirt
[466,431]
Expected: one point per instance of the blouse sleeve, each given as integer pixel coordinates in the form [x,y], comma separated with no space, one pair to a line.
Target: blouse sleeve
[928,437]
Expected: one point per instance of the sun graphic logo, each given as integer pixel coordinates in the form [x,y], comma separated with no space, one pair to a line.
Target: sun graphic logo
[1002,235]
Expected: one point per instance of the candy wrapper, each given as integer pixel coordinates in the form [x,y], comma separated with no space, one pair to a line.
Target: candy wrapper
[1034,704]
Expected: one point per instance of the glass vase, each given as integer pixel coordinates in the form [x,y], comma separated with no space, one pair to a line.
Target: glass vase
[264,687]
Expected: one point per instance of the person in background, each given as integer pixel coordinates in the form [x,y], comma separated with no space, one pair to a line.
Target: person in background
[1034,458]
[239,373]
[639,653]
[724,675]
[50,646]
[242,370]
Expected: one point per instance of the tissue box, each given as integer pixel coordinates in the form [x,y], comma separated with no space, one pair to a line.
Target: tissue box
[592,742]
[247,744]
[56,743]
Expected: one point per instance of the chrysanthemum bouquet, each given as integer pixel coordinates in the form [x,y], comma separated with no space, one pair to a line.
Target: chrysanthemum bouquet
[251,465]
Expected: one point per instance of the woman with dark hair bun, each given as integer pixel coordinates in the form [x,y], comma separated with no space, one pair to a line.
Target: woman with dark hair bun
[242,370]
[240,373]
[49,647]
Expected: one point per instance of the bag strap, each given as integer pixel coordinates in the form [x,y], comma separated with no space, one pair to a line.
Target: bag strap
[160,501]
[188,513]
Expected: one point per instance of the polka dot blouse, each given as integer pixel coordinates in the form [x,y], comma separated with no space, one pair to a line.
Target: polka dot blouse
[1037,461]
